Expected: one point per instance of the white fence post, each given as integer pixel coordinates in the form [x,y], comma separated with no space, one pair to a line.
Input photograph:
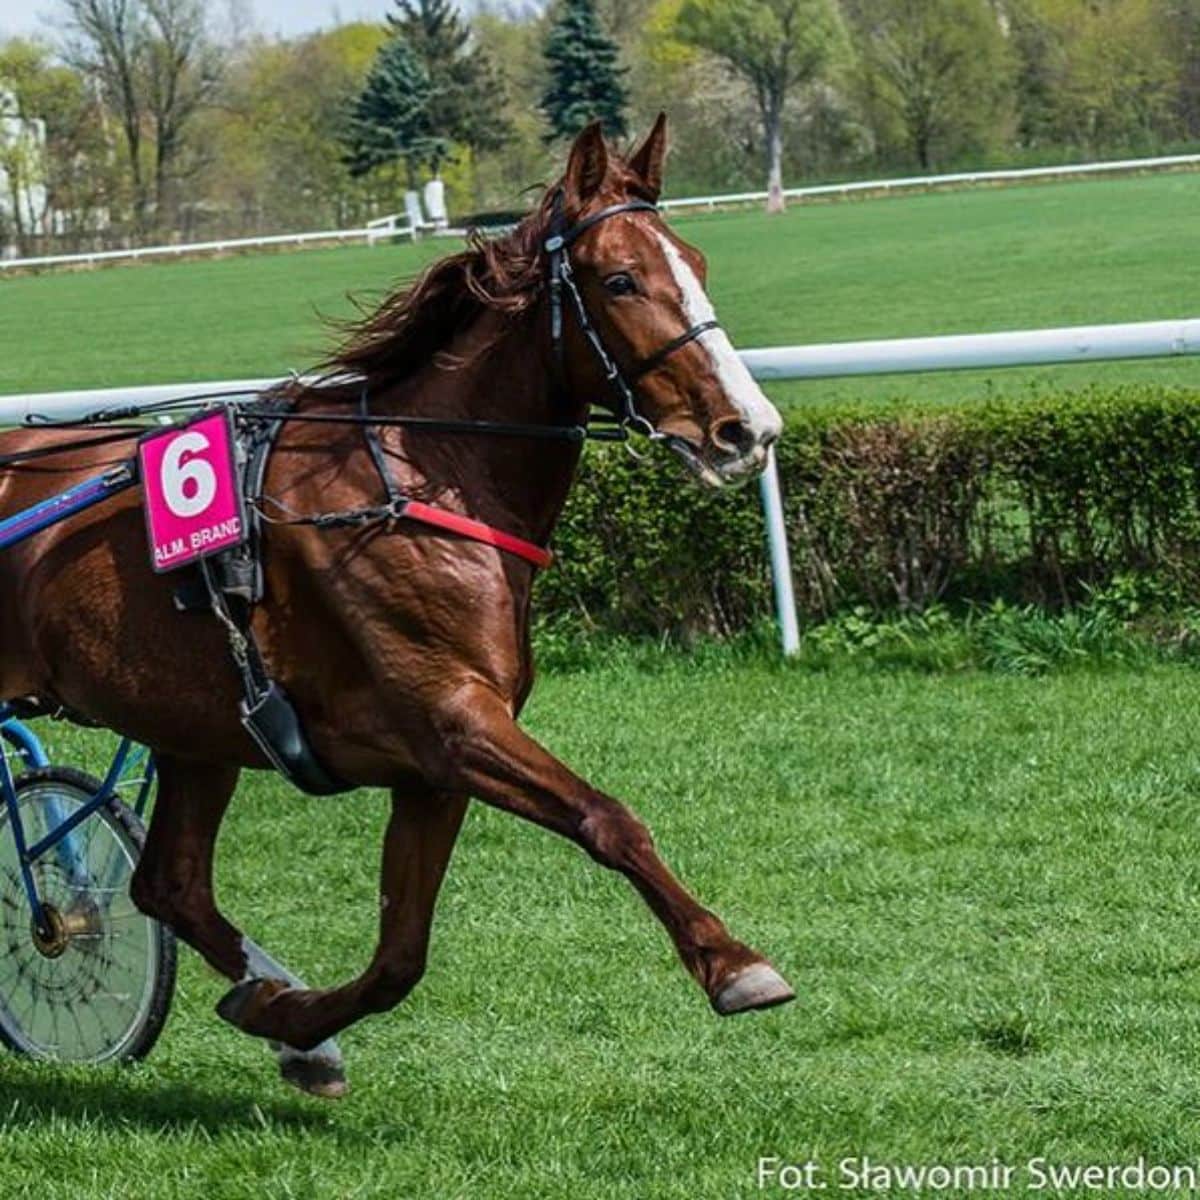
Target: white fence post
[781,559]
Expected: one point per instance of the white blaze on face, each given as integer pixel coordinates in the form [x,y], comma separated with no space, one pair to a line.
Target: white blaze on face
[757,412]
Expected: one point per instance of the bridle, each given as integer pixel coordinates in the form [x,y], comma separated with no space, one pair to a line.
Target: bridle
[561,278]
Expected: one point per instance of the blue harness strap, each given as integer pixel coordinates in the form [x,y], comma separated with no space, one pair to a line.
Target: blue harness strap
[66,504]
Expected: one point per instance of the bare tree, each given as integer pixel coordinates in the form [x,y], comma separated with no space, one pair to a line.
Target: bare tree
[156,66]
[183,69]
[104,40]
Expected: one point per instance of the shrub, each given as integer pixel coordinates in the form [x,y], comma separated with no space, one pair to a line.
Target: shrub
[1033,501]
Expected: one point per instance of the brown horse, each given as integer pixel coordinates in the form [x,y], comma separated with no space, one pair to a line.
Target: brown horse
[405,649]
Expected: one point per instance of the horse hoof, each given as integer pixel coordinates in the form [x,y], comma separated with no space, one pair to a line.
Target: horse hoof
[315,1076]
[241,1002]
[232,1006]
[758,986]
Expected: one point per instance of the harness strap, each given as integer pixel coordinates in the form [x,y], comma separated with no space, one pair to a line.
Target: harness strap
[661,355]
[39,452]
[555,251]
[267,715]
[477,531]
[565,238]
[375,446]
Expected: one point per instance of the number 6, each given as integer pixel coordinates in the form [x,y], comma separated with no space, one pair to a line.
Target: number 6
[176,475]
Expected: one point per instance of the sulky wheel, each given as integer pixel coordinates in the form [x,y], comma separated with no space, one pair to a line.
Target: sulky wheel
[95,984]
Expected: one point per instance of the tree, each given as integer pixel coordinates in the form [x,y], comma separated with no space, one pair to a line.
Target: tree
[776,46]
[586,78]
[940,68]
[1119,85]
[390,119]
[466,98]
[1039,67]
[276,143]
[182,70]
[1183,32]
[155,67]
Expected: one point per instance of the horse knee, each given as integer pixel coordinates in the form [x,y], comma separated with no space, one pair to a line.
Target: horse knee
[613,836]
[391,981]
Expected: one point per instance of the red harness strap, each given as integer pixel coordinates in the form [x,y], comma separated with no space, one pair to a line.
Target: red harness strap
[477,531]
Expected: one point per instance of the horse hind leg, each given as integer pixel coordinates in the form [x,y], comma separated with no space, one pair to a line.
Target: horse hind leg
[174,884]
[420,838]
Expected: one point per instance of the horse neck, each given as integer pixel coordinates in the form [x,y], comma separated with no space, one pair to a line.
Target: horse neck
[497,370]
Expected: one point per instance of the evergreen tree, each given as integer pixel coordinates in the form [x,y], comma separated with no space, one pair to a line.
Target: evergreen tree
[389,121]
[586,79]
[465,102]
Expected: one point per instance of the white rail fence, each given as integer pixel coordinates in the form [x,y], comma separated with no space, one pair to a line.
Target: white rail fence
[912,182]
[1073,344]
[398,225]
[91,257]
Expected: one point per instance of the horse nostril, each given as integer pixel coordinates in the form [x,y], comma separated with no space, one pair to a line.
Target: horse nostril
[735,436]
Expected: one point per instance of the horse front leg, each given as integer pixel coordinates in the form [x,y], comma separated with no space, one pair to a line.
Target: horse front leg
[420,838]
[174,884]
[492,758]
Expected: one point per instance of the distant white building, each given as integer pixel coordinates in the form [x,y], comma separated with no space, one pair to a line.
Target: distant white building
[23,152]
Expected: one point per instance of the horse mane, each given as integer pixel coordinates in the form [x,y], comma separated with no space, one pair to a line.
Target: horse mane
[414,324]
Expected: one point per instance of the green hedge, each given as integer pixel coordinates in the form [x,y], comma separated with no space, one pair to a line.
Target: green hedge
[895,508]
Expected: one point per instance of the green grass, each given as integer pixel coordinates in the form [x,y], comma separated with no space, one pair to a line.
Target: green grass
[939,263]
[985,889]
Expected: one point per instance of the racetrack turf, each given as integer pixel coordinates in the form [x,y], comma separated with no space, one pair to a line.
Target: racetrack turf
[984,888]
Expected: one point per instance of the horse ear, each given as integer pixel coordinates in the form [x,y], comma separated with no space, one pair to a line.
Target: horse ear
[647,162]
[588,164]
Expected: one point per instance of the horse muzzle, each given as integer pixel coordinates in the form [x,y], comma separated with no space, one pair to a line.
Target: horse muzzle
[734,451]
[720,469]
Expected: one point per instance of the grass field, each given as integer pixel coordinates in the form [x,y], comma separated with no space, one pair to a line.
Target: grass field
[985,890]
[957,262]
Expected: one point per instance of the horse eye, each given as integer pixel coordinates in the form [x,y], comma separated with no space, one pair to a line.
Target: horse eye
[620,284]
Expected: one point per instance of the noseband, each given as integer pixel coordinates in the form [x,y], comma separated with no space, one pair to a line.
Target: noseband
[623,403]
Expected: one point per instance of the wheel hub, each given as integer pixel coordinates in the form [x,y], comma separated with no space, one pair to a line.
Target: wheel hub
[53,940]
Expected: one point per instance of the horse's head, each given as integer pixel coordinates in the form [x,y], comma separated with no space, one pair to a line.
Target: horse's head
[643,288]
